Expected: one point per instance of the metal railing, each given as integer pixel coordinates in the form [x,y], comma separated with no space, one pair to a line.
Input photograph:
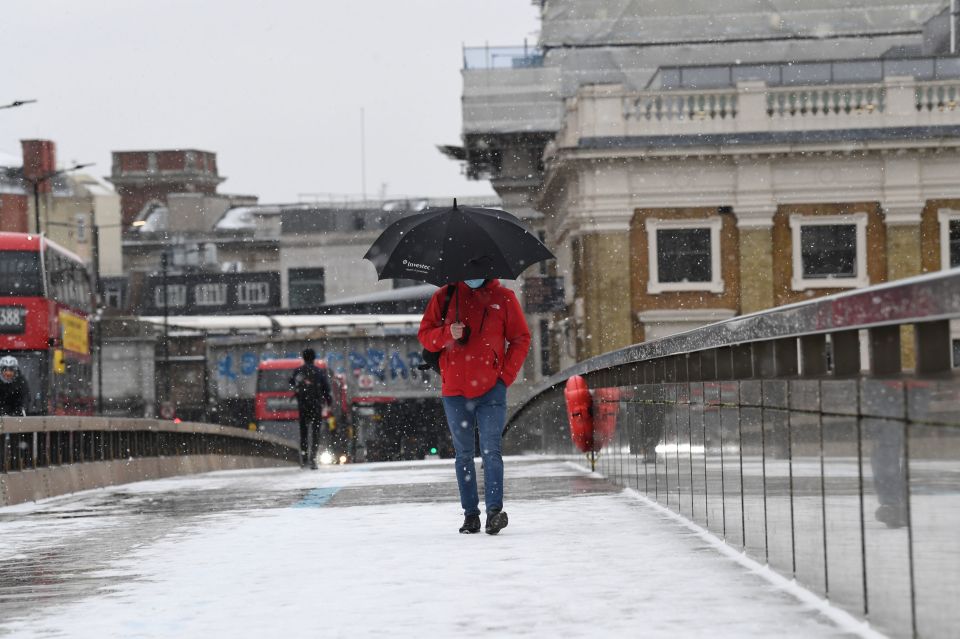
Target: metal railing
[817,72]
[47,456]
[30,443]
[822,438]
[516,57]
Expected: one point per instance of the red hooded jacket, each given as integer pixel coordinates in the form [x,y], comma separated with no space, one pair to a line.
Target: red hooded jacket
[498,342]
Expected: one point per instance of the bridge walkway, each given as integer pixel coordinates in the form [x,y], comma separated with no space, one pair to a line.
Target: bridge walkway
[372,549]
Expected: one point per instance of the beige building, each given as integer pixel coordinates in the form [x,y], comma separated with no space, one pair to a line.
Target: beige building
[707,203]
[85,202]
[693,161]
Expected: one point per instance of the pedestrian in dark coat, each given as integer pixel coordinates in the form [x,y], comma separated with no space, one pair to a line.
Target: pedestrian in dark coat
[483,341]
[14,393]
[312,389]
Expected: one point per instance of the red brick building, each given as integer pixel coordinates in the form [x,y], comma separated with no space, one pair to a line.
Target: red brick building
[142,177]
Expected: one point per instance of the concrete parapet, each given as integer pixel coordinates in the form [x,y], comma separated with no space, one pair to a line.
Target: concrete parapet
[41,483]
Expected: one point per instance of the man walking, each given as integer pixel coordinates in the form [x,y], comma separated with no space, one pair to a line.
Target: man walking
[482,345]
[13,387]
[312,389]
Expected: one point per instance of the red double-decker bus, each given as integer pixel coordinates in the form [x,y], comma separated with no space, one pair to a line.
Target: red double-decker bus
[45,305]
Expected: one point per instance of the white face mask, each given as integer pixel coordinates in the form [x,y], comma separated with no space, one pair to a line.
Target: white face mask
[474,283]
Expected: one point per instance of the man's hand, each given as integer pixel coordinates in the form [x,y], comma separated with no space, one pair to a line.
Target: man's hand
[456,330]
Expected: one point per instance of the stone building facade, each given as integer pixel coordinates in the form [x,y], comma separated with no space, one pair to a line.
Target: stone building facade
[693,161]
[706,203]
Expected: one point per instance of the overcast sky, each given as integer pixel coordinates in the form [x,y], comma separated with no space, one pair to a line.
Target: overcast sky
[273,87]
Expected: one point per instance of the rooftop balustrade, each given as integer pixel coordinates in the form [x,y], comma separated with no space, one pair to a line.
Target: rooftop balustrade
[753,111]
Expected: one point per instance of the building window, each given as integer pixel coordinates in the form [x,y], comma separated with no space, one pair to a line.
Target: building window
[956,353]
[829,251]
[253,293]
[949,238]
[176,295]
[113,296]
[81,221]
[684,255]
[546,368]
[211,294]
[305,287]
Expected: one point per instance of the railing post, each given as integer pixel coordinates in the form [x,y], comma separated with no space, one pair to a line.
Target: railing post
[813,355]
[901,99]
[708,365]
[725,363]
[764,360]
[695,367]
[660,372]
[682,364]
[933,347]
[742,361]
[752,106]
[846,352]
[885,350]
[649,372]
[671,368]
[785,357]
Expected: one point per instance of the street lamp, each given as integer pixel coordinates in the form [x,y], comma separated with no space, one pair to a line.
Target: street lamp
[37,181]
[16,103]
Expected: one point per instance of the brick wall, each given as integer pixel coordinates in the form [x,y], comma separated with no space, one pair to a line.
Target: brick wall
[783,292]
[642,300]
[14,213]
[602,279]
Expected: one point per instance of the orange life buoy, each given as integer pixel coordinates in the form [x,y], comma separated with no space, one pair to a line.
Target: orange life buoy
[579,404]
[593,418]
[605,412]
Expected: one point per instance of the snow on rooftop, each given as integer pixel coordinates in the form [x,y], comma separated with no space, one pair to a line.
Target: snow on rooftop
[269,322]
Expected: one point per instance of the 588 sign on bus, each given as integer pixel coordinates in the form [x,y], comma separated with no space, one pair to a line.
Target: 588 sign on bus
[13,319]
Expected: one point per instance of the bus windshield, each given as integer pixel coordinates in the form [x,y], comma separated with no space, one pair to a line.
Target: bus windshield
[274,380]
[20,273]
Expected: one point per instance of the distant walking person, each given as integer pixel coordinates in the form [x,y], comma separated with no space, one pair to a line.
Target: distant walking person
[483,341]
[312,389]
[14,393]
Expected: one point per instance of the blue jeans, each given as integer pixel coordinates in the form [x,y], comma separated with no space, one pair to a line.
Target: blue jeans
[488,414]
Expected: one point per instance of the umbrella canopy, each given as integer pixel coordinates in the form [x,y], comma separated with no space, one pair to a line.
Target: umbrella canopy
[442,245]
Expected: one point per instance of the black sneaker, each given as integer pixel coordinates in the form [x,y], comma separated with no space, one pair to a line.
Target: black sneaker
[471,524]
[496,521]
[313,464]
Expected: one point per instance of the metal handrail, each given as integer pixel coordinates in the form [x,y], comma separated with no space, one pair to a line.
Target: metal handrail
[28,443]
[114,424]
[914,300]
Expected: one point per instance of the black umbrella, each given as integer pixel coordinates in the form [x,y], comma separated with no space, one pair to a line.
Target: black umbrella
[442,245]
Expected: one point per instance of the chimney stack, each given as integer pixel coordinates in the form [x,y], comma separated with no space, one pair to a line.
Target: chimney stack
[39,159]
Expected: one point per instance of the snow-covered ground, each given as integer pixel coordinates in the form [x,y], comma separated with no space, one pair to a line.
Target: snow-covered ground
[373,550]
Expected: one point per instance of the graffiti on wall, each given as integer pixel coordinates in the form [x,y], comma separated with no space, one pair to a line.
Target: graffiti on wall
[369,364]
[380,364]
